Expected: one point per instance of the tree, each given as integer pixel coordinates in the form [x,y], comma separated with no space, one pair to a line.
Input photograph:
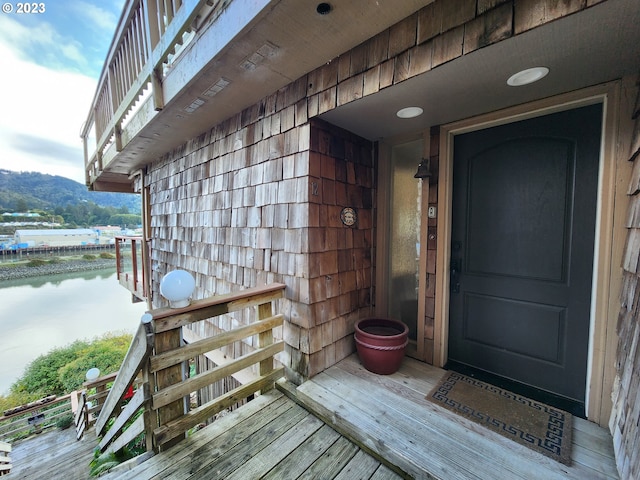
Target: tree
[41,376]
[21,205]
[105,354]
[63,370]
[125,220]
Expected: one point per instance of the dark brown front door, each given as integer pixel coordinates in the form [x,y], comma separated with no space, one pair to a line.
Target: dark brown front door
[524,207]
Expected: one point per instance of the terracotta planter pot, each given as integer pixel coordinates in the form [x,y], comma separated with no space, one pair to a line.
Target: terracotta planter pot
[381,344]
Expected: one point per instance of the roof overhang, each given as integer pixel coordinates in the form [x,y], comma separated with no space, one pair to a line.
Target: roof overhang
[254,48]
[289,39]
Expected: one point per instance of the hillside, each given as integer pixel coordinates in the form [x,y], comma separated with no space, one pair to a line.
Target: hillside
[33,190]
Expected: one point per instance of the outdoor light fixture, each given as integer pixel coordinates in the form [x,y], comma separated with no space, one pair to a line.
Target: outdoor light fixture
[424,169]
[323,8]
[525,77]
[409,112]
[177,287]
[92,374]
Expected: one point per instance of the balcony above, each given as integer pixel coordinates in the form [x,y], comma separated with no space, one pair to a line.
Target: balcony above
[131,261]
[177,67]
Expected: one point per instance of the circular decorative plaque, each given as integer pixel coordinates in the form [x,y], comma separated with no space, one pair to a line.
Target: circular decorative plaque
[348,216]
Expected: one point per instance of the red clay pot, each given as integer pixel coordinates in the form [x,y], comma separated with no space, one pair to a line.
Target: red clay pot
[381,344]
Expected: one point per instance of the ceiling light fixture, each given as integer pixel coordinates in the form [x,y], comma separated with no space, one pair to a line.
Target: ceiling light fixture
[323,8]
[525,77]
[409,112]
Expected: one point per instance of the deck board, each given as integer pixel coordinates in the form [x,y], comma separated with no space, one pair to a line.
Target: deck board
[390,416]
[276,450]
[269,437]
[303,457]
[375,419]
[52,454]
[230,430]
[331,463]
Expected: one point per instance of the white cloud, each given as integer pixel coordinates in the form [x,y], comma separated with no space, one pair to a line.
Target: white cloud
[41,113]
[43,41]
[46,87]
[102,18]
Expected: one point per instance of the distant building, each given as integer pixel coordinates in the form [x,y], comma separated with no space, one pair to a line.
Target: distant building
[56,238]
[20,214]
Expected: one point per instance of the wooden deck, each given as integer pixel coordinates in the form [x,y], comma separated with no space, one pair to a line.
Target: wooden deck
[390,417]
[52,454]
[374,418]
[271,437]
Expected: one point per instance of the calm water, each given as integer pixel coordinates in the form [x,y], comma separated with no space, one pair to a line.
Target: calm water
[41,313]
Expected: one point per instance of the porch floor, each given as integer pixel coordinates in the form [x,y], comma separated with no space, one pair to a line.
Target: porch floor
[270,437]
[390,417]
[52,454]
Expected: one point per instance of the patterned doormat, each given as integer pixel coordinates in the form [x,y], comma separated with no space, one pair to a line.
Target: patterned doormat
[538,426]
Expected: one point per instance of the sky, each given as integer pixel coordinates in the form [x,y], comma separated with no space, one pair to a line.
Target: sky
[50,63]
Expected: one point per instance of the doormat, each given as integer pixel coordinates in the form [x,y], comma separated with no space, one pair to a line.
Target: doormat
[540,427]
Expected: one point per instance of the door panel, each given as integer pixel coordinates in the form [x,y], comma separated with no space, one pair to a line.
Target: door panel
[524,204]
[532,239]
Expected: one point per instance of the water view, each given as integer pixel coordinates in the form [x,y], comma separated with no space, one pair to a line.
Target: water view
[42,313]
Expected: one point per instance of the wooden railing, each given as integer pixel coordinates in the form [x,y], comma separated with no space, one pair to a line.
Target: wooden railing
[5,458]
[90,401]
[149,35]
[156,358]
[40,415]
[131,261]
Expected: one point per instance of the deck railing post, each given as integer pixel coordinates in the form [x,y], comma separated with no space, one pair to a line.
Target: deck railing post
[134,264]
[118,258]
[164,342]
[148,384]
[265,310]
[156,88]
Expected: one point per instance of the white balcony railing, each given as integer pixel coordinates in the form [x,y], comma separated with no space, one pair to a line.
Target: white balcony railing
[149,36]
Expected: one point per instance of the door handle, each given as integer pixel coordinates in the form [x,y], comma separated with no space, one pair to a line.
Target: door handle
[455,275]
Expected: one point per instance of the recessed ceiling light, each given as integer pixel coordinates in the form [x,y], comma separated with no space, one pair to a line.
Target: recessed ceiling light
[525,77]
[409,112]
[323,8]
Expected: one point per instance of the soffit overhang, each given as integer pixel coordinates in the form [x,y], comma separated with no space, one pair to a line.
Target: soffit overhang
[596,45]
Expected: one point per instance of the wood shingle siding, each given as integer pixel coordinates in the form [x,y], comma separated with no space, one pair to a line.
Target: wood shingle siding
[625,417]
[257,199]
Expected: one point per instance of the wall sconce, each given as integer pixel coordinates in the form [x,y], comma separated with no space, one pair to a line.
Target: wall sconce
[424,169]
[177,287]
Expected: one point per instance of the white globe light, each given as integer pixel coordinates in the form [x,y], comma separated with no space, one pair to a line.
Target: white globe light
[92,374]
[177,287]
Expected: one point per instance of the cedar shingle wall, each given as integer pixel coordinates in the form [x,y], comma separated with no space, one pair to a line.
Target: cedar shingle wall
[625,419]
[341,269]
[257,200]
[244,203]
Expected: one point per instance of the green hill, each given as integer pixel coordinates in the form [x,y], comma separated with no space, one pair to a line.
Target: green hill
[33,190]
